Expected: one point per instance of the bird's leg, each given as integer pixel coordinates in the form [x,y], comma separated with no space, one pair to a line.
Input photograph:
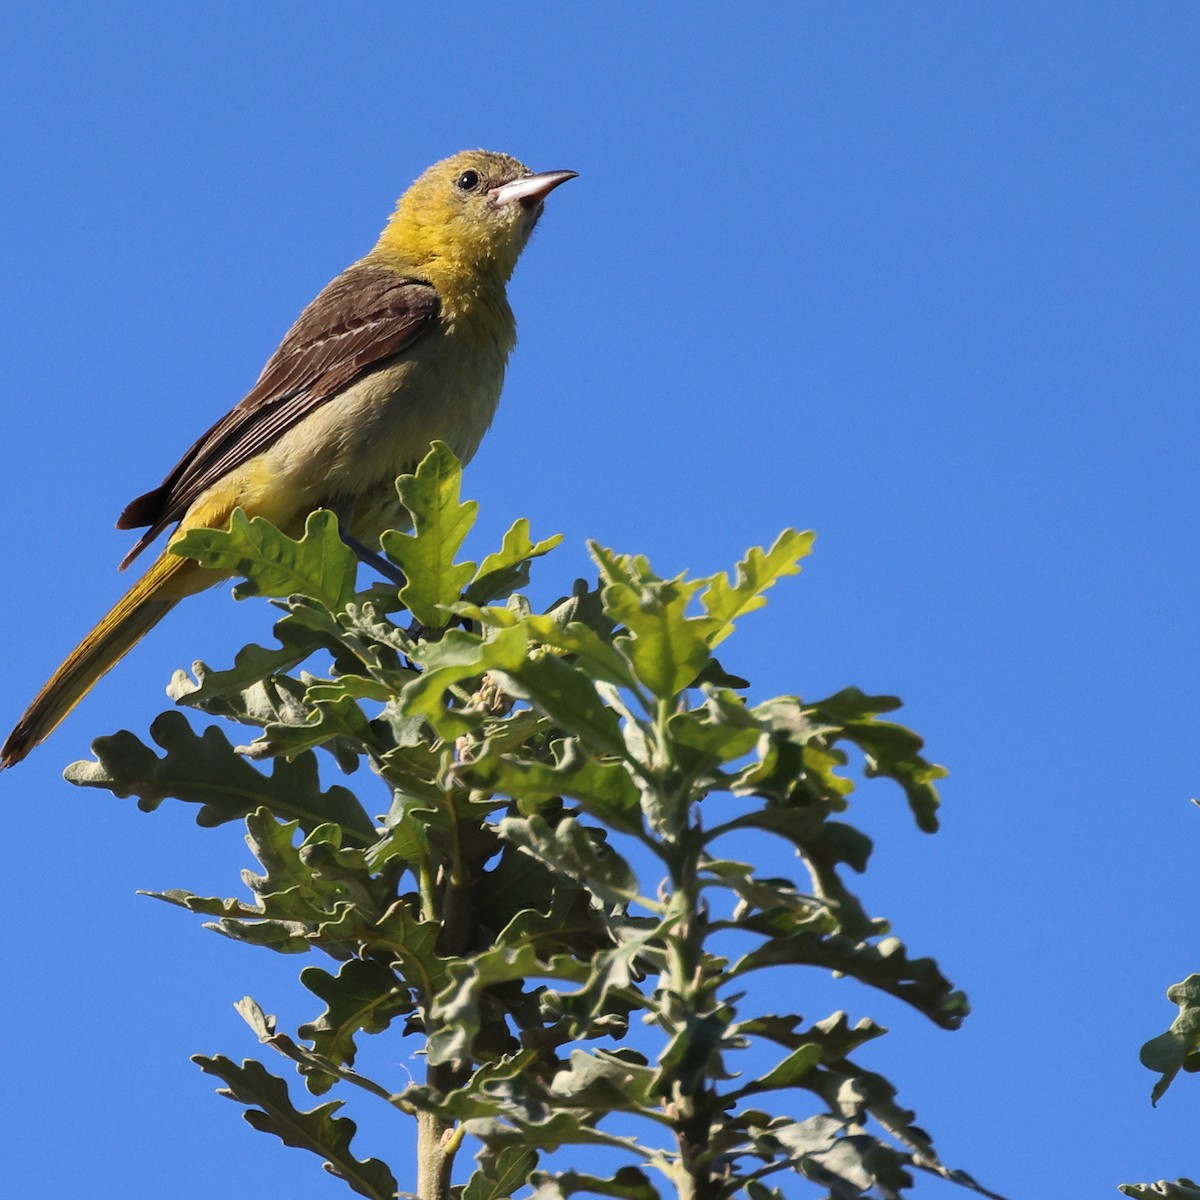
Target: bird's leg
[391,573]
[365,554]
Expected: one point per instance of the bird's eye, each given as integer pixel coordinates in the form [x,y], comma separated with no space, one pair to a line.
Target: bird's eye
[468,181]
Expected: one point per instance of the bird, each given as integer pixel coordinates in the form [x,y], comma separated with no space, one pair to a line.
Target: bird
[408,345]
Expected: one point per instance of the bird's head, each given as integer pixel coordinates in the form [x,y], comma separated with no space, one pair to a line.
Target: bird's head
[465,221]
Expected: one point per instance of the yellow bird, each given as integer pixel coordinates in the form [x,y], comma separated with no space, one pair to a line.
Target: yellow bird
[406,346]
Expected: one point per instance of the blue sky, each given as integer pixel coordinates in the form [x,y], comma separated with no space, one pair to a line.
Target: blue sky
[921,277]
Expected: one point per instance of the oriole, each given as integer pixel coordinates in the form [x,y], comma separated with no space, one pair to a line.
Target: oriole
[407,345]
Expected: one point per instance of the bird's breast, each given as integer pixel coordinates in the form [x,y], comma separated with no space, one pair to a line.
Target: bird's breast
[347,453]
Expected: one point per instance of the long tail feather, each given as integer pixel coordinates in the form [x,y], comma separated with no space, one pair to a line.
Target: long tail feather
[132,617]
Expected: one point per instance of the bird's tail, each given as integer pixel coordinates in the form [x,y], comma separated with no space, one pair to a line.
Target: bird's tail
[132,617]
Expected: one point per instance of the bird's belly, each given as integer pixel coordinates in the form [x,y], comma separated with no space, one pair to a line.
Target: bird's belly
[347,453]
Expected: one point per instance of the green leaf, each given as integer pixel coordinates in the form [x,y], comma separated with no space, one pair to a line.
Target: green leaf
[835,1036]
[319,564]
[1179,1048]
[627,1184]
[573,639]
[823,845]
[456,1013]
[815,728]
[884,965]
[278,699]
[612,977]
[205,770]
[584,606]
[317,1130]
[330,710]
[441,523]
[858,1096]
[892,753]
[891,750]
[577,851]
[319,1073]
[312,894]
[845,1161]
[508,1121]
[604,1081]
[694,1053]
[760,1191]
[406,838]
[1181,1189]
[251,665]
[789,1071]
[508,569]
[364,997]
[788,910]
[500,1174]
[412,944]
[212,906]
[567,695]
[584,646]
[284,937]
[602,787]
[857,1164]
[456,657]
[666,648]
[365,629]
[723,731]
[724,601]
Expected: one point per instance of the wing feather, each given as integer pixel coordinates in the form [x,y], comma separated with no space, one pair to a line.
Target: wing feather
[365,317]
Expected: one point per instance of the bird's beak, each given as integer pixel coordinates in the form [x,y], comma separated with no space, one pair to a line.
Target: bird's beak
[530,190]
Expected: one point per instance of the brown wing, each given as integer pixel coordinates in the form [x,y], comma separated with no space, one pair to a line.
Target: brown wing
[366,316]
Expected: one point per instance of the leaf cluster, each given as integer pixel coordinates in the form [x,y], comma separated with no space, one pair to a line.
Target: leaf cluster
[538,887]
